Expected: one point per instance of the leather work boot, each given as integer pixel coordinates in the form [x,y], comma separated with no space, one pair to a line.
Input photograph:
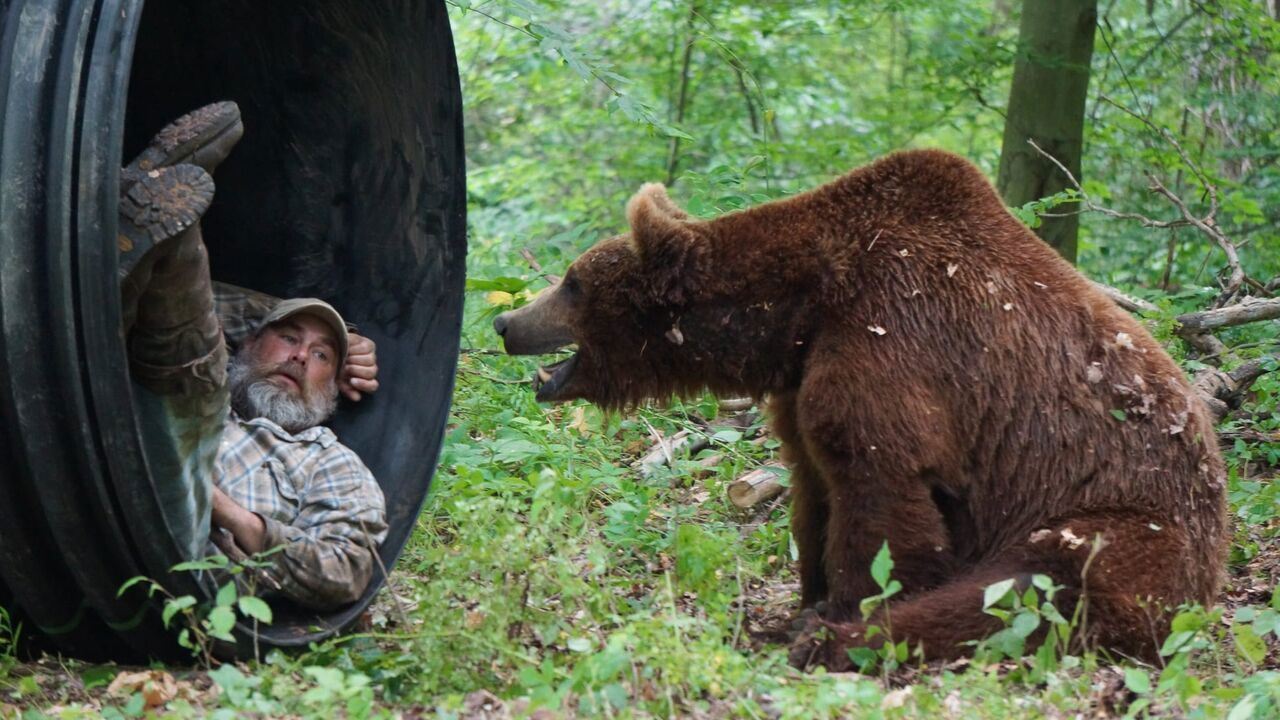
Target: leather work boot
[202,137]
[174,339]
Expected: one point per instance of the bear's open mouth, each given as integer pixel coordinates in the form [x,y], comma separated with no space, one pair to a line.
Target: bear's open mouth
[552,378]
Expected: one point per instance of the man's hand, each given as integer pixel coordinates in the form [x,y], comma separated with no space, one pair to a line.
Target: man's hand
[248,529]
[360,373]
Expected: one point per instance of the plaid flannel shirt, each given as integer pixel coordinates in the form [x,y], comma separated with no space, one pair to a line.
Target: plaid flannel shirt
[314,494]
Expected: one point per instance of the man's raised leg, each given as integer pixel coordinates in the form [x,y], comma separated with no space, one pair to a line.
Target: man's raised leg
[176,350]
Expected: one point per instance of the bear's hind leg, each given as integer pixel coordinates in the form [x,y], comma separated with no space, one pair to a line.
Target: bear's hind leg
[1134,575]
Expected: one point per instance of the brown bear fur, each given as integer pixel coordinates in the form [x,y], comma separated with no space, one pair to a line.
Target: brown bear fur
[940,379]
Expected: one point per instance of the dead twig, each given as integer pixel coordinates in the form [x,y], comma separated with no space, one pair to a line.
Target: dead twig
[537,267]
[1128,302]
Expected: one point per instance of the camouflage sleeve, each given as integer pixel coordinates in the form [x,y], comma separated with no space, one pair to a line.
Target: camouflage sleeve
[240,310]
[329,549]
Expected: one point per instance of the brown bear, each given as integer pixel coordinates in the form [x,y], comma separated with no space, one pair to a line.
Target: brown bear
[941,380]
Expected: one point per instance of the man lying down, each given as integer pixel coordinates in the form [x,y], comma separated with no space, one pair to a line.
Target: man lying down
[280,478]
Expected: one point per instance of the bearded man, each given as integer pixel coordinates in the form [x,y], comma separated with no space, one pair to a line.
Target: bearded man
[280,479]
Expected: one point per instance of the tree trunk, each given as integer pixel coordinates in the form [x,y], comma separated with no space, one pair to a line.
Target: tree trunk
[1046,104]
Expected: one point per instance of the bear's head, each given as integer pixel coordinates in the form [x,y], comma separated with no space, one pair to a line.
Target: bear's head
[634,307]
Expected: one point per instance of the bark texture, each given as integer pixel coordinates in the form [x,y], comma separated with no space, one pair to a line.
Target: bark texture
[1046,104]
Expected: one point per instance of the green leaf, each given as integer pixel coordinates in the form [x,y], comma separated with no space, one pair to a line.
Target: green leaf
[221,620]
[1024,624]
[1119,415]
[900,651]
[881,566]
[1006,643]
[226,595]
[1175,642]
[228,677]
[1187,621]
[1137,680]
[1248,644]
[175,606]
[1243,710]
[98,676]
[255,608]
[1268,621]
[213,562]
[996,592]
[865,658]
[505,284]
[579,644]
[131,582]
[727,436]
[328,678]
[134,707]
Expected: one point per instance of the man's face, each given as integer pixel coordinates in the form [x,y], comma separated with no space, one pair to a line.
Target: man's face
[287,374]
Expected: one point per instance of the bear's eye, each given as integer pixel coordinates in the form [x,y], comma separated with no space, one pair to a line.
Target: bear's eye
[571,284]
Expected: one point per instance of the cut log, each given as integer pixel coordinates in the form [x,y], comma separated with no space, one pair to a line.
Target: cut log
[756,486]
[736,405]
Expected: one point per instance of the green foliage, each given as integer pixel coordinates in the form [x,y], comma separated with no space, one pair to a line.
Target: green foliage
[1032,213]
[203,623]
[546,571]
[1025,613]
[890,655]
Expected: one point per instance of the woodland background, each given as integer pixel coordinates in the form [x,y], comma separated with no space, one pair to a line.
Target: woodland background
[554,572]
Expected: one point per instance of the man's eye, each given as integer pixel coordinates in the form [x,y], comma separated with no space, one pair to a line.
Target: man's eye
[322,356]
[290,338]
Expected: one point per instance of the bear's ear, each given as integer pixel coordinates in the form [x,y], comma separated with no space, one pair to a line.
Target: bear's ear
[670,247]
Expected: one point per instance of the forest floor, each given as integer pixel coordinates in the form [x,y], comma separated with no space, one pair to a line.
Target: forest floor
[548,577]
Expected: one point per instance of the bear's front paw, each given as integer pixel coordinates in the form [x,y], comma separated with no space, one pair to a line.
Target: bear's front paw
[819,643]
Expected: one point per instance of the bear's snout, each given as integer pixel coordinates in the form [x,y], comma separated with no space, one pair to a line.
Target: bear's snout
[540,327]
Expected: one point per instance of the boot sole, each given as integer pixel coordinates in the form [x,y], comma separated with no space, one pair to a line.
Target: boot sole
[203,137]
[161,205]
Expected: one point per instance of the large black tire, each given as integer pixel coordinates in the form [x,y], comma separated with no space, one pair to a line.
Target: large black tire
[349,184]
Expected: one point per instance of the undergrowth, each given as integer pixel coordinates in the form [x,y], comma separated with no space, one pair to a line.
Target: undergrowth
[548,573]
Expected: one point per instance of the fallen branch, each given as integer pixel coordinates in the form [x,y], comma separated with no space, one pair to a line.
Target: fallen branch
[664,451]
[1128,302]
[1248,310]
[1223,391]
[685,443]
[1195,327]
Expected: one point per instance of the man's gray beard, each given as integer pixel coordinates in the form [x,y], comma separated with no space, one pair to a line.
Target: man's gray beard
[254,396]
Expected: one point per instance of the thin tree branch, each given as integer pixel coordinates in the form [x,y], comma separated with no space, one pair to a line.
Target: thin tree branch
[673,155]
